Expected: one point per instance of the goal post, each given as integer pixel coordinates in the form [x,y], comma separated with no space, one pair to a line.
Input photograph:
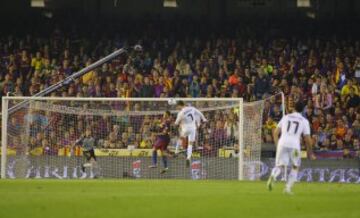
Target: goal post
[4,120]
[38,139]
[241,139]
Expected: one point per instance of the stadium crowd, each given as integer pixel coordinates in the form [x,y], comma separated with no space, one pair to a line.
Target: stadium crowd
[321,71]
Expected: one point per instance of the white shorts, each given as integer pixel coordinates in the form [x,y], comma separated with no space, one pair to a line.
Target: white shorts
[286,156]
[189,132]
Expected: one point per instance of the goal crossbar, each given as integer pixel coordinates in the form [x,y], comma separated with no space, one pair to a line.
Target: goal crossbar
[115,99]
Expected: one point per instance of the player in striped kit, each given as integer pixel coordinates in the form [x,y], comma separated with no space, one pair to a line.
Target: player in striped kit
[162,141]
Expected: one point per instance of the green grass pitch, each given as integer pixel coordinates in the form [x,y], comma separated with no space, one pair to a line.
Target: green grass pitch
[174,198]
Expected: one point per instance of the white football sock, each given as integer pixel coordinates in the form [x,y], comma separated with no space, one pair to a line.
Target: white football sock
[83,175]
[189,152]
[91,173]
[95,168]
[37,176]
[177,146]
[87,164]
[275,172]
[292,179]
[47,173]
[75,173]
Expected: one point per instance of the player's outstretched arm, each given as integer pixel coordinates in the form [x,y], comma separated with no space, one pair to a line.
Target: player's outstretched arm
[309,147]
[201,115]
[308,141]
[178,118]
[79,140]
[277,131]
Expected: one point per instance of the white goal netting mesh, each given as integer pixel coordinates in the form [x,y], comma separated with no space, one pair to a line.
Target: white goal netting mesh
[41,136]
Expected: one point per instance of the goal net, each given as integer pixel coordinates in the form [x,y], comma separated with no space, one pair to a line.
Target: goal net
[39,138]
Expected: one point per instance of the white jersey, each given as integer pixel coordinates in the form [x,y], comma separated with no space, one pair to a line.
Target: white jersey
[293,126]
[189,117]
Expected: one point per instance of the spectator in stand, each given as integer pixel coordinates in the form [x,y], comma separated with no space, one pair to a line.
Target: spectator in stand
[352,100]
[262,85]
[321,72]
[234,78]
[340,129]
[349,85]
[112,141]
[268,128]
[194,88]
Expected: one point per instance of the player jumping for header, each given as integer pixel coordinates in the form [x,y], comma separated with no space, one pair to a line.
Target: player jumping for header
[162,141]
[291,127]
[188,119]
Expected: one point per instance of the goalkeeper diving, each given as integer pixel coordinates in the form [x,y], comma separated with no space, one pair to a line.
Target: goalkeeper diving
[87,142]
[189,119]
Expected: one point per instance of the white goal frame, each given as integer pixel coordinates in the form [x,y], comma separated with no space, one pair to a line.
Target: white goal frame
[5,115]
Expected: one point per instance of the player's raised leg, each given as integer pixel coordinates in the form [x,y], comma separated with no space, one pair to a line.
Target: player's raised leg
[188,157]
[272,179]
[191,138]
[187,118]
[164,158]
[177,146]
[154,157]
[181,144]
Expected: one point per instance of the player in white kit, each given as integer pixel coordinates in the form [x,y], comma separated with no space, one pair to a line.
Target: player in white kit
[188,118]
[288,151]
